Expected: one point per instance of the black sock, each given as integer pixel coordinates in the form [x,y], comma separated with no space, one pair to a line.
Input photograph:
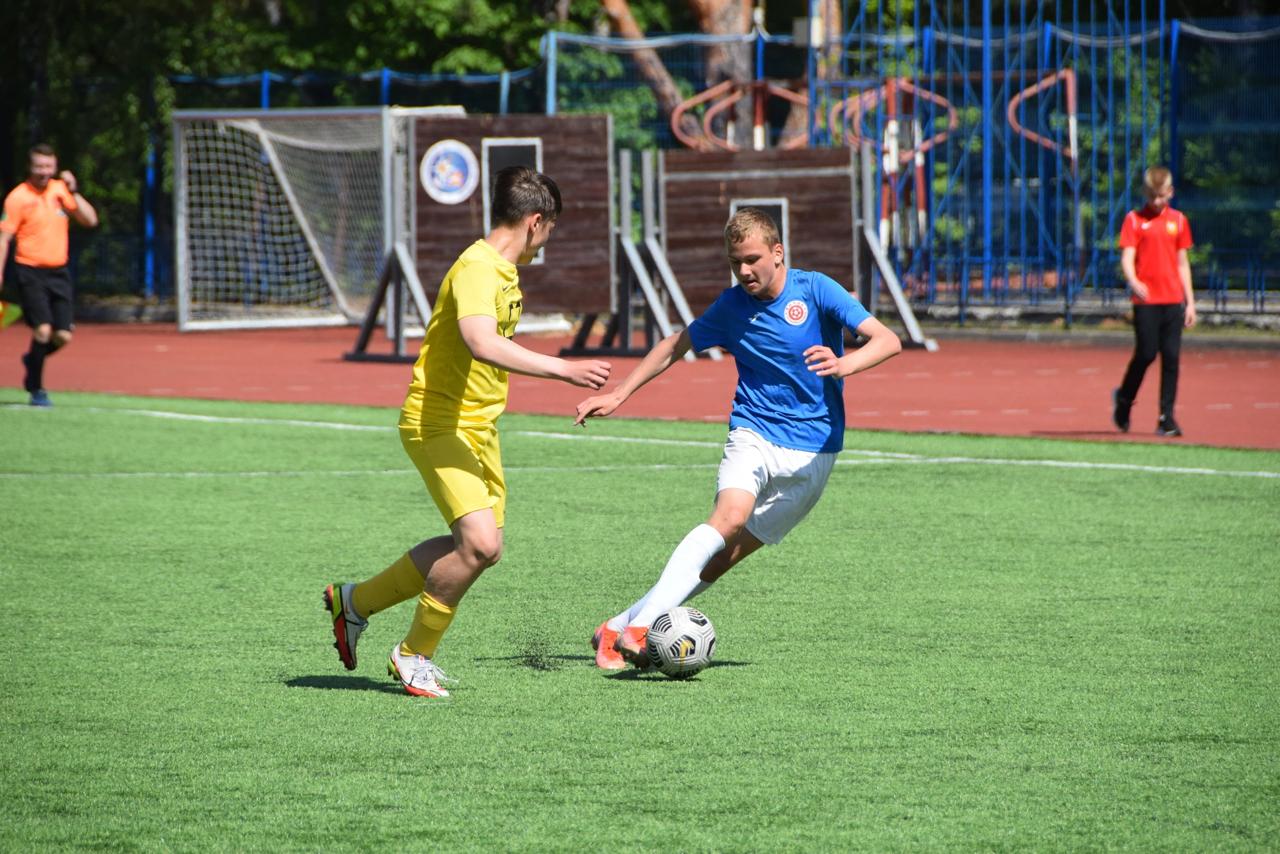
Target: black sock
[35,365]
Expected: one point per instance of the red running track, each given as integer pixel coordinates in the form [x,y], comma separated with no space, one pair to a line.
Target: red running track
[1227,397]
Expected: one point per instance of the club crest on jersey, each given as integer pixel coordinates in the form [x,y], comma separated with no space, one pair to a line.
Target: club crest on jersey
[796,312]
[1171,227]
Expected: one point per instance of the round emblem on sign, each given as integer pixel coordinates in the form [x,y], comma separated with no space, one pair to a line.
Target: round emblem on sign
[449,172]
[795,312]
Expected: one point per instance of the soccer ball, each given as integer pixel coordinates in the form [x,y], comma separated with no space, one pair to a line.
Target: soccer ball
[680,642]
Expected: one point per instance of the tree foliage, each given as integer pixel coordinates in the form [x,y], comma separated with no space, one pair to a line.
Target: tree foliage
[95,77]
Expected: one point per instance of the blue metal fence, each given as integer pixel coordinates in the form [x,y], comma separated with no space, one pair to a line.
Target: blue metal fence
[1224,127]
[1054,118]
[508,91]
[1011,147]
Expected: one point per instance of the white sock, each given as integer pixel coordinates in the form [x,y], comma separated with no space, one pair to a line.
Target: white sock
[680,580]
[623,620]
[702,585]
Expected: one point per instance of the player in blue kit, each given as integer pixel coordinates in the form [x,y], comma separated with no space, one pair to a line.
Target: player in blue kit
[785,330]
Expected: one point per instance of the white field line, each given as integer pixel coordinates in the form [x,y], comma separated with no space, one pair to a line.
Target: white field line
[181,475]
[592,437]
[192,475]
[1064,464]
[208,419]
[859,457]
[219,419]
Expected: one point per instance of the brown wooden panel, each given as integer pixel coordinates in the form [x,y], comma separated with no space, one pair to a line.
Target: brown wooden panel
[698,188]
[577,273]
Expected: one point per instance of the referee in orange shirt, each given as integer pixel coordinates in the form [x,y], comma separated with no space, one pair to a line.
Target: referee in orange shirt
[36,212]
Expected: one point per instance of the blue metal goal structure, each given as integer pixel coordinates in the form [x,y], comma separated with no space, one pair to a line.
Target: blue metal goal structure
[1008,140]
[1011,147]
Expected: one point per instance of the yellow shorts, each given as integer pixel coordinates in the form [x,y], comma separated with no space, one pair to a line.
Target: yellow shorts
[462,469]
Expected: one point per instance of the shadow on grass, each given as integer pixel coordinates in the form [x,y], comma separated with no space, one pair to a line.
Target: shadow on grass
[633,674]
[344,683]
[1111,434]
[536,659]
[539,660]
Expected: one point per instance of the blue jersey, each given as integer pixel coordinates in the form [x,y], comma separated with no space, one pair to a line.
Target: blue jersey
[777,395]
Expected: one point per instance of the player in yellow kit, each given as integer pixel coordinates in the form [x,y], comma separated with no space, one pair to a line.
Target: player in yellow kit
[448,426]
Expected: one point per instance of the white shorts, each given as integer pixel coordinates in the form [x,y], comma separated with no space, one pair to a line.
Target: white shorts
[786,482]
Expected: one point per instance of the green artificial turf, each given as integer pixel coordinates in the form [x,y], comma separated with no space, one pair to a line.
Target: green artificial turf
[972,644]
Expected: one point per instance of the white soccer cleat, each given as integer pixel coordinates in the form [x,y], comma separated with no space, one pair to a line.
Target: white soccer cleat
[418,674]
[347,624]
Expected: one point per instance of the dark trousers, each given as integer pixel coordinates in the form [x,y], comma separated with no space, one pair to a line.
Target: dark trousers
[1157,329]
[46,299]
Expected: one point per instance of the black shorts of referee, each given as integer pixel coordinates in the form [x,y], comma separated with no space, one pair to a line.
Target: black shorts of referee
[47,296]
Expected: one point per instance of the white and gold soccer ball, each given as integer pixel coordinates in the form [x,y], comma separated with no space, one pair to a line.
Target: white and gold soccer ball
[680,642]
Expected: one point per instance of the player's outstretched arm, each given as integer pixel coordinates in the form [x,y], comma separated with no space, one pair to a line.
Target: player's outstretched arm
[480,334]
[882,343]
[663,355]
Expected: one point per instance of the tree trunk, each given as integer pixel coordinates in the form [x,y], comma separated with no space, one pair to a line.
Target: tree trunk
[273,11]
[650,64]
[828,68]
[34,42]
[729,62]
[553,11]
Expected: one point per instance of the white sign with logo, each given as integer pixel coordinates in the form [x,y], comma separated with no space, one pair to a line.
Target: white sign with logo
[449,172]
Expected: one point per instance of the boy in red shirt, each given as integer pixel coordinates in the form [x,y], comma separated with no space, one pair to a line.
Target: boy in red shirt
[37,214]
[1153,256]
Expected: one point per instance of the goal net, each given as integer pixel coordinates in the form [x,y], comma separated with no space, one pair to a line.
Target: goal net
[286,217]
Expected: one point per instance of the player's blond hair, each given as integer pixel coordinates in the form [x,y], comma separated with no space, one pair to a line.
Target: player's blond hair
[748,220]
[1156,180]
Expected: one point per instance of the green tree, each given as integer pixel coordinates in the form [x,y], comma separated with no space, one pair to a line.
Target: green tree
[94,78]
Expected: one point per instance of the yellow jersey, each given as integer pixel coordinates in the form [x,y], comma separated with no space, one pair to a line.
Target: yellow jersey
[450,388]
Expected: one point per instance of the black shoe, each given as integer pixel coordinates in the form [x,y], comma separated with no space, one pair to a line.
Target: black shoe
[1166,426]
[1120,411]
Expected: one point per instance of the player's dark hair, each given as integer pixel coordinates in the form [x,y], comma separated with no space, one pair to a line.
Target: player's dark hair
[44,149]
[519,191]
[747,220]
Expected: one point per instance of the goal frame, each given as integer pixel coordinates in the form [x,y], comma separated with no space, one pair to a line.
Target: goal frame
[396,188]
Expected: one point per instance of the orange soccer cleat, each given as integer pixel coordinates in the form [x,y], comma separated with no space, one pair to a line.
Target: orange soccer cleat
[347,624]
[607,658]
[631,646]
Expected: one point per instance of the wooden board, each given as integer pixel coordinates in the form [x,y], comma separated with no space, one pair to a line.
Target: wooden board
[577,270]
[698,189]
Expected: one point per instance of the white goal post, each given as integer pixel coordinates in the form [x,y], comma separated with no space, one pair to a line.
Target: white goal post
[287,217]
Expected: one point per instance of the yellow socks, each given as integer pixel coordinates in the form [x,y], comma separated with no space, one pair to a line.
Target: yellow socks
[429,624]
[397,583]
